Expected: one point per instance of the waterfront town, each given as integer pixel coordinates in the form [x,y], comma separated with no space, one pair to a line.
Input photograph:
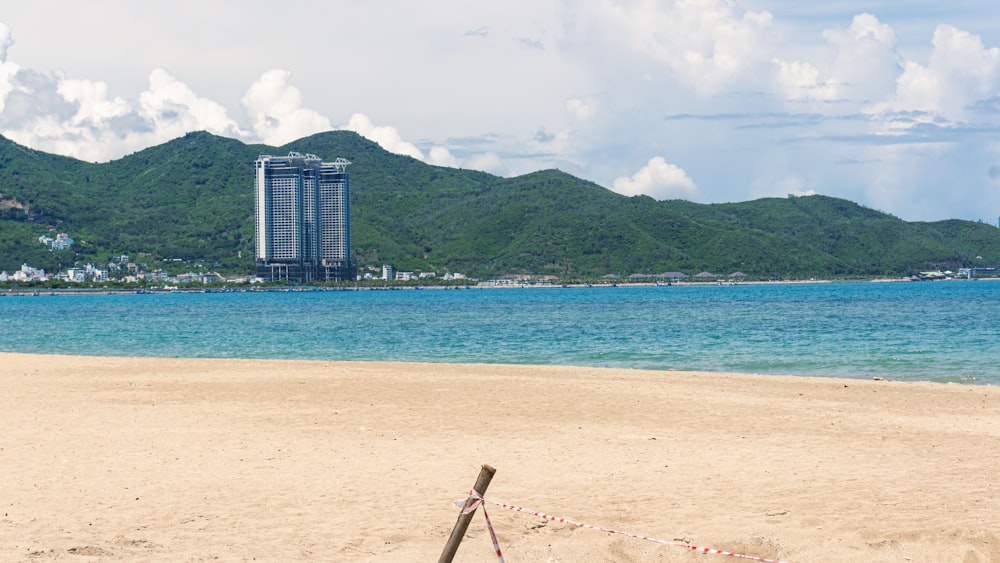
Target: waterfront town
[124,270]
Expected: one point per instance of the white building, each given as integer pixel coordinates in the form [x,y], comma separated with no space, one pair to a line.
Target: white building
[27,273]
[61,242]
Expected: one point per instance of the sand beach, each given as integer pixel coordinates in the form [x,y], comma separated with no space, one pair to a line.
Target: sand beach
[145,459]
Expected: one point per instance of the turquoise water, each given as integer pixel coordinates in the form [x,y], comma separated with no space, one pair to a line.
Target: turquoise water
[934,331]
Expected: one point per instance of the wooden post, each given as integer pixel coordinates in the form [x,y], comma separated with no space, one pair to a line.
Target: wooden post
[458,532]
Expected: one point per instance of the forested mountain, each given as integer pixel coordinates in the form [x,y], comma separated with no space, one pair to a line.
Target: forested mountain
[190,202]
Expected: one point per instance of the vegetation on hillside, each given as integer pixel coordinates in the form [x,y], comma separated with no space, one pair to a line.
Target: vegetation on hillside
[189,203]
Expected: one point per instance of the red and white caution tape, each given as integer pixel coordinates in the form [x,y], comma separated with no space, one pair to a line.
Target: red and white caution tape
[489,525]
[707,550]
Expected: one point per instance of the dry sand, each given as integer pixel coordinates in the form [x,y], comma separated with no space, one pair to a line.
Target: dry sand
[124,459]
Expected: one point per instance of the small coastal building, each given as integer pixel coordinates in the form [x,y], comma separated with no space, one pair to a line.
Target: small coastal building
[76,275]
[27,273]
[61,242]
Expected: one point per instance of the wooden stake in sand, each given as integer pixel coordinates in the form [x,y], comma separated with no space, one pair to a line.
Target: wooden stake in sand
[458,532]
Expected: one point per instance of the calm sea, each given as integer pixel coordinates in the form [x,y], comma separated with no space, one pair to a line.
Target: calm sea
[932,331]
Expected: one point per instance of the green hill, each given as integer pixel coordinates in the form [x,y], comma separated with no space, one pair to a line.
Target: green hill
[189,203]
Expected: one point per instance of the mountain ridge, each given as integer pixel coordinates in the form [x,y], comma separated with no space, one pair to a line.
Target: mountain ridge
[189,202]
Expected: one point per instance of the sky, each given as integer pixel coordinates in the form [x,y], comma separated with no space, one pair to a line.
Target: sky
[894,105]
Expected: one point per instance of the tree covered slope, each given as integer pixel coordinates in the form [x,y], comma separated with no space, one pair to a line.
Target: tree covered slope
[191,200]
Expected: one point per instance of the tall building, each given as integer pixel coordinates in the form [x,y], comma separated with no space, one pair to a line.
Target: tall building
[303,218]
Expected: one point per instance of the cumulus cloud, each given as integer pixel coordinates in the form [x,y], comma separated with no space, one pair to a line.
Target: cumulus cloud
[276,110]
[960,72]
[862,65]
[7,69]
[76,118]
[6,40]
[708,44]
[389,138]
[173,109]
[753,85]
[93,102]
[798,80]
[866,60]
[81,118]
[386,136]
[7,73]
[658,179]
[487,162]
[441,156]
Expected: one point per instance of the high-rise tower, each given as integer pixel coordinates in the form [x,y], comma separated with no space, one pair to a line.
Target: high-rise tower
[302,218]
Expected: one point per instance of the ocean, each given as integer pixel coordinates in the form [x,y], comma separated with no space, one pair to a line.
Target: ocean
[929,331]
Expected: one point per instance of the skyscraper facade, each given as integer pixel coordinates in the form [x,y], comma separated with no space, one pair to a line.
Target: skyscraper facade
[302,216]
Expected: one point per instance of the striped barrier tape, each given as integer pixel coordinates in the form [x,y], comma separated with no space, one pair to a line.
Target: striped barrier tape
[489,525]
[480,500]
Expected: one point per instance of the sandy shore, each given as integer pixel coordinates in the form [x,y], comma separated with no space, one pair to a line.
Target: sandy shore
[123,459]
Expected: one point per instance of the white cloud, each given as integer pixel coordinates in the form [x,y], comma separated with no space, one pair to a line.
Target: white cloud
[580,109]
[7,73]
[866,60]
[386,136]
[174,108]
[6,40]
[709,45]
[960,72]
[859,64]
[441,156]
[703,81]
[68,117]
[276,110]
[92,100]
[7,69]
[487,162]
[81,118]
[659,179]
[800,81]
[389,138]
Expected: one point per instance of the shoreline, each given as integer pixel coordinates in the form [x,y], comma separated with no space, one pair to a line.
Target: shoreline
[179,459]
[242,288]
[663,372]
